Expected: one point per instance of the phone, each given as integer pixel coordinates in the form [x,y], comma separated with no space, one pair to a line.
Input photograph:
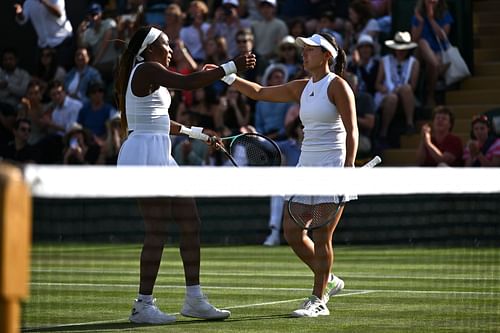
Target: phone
[73,143]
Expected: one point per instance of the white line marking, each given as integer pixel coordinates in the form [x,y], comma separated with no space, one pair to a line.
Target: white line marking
[114,286]
[252,274]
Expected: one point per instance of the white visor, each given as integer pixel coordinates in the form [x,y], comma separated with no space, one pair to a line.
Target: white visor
[152,35]
[317,40]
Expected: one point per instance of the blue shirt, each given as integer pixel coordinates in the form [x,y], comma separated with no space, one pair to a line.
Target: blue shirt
[95,120]
[428,33]
[270,117]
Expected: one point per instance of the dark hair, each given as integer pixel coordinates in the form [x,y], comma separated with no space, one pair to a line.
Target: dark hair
[483,119]
[364,10]
[441,9]
[441,109]
[44,73]
[54,84]
[19,121]
[340,60]
[123,72]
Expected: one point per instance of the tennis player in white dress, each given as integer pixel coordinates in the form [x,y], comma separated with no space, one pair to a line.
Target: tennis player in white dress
[144,101]
[328,114]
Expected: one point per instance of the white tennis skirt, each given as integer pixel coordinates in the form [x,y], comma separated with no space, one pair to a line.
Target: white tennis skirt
[329,158]
[146,148]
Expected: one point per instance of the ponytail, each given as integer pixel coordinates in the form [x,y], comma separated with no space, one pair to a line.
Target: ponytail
[340,60]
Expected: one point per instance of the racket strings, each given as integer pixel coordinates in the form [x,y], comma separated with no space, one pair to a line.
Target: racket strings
[310,215]
[259,151]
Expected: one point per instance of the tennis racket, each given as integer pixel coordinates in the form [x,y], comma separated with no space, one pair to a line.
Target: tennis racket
[250,149]
[313,212]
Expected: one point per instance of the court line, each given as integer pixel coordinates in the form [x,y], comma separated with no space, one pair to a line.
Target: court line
[252,274]
[114,286]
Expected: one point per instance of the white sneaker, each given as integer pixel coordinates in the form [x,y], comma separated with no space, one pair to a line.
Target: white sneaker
[273,239]
[333,287]
[148,313]
[199,307]
[312,307]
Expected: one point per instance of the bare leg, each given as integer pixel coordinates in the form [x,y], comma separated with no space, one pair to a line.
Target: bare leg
[405,92]
[185,214]
[431,71]
[388,110]
[155,213]
[318,254]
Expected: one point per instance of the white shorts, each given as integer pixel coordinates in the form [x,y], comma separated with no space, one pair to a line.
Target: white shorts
[146,148]
[329,158]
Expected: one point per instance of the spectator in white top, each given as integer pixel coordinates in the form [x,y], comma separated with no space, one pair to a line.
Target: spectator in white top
[13,80]
[269,31]
[66,109]
[51,24]
[227,23]
[194,34]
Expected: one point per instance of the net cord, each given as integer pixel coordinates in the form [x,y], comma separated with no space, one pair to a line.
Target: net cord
[133,181]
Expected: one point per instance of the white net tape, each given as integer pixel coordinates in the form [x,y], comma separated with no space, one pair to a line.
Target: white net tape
[113,182]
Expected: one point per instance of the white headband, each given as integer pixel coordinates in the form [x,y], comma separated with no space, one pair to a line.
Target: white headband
[317,40]
[150,38]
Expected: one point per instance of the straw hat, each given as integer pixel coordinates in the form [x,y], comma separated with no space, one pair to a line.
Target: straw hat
[401,41]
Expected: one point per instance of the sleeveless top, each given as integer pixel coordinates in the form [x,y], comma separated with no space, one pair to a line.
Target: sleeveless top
[323,127]
[397,74]
[148,113]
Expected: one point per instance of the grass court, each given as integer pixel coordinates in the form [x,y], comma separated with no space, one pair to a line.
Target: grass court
[90,288]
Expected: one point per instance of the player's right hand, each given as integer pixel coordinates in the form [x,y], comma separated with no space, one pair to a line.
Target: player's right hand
[245,61]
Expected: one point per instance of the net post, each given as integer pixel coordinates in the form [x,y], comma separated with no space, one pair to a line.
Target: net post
[15,244]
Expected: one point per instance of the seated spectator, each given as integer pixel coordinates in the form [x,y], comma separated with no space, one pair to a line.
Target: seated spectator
[188,151]
[216,53]
[438,146]
[79,148]
[289,55]
[35,110]
[174,20]
[194,35]
[483,150]
[297,27]
[65,109]
[226,23]
[328,23]
[111,146]
[8,117]
[97,34]
[19,150]
[13,79]
[365,66]
[396,83]
[48,69]
[245,40]
[78,79]
[360,22]
[431,25]
[128,22]
[269,31]
[232,114]
[94,114]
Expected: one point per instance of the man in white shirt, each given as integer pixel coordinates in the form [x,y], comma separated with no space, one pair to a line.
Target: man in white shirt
[51,24]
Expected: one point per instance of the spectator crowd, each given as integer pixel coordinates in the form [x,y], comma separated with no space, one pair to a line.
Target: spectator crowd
[64,111]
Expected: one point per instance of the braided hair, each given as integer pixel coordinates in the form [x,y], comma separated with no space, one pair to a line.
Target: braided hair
[127,61]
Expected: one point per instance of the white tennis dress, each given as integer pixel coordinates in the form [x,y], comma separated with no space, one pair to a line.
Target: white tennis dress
[324,141]
[148,119]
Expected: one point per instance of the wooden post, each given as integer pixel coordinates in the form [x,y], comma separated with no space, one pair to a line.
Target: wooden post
[15,246]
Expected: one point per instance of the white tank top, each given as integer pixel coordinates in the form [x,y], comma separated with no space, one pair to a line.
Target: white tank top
[323,127]
[148,113]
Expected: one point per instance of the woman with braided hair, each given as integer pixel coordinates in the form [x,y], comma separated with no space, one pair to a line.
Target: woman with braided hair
[144,101]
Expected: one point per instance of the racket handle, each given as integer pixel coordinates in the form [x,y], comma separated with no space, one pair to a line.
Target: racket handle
[373,162]
[194,132]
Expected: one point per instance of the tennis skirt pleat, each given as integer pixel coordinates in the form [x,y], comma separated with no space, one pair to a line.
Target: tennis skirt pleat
[145,148]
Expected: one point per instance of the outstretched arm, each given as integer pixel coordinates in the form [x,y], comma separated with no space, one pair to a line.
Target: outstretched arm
[288,92]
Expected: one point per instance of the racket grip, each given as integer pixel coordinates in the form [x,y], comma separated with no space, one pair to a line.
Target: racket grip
[194,132]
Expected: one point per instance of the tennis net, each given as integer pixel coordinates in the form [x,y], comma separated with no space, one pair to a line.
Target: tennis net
[419,249]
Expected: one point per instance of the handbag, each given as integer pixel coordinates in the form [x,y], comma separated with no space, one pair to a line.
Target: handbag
[457,68]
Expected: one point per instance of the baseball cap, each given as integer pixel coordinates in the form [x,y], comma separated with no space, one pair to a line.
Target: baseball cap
[95,8]
[271,2]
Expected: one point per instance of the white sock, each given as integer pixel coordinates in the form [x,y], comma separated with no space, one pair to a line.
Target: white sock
[193,291]
[145,298]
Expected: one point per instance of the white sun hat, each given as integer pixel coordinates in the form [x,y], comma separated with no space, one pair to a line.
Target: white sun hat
[401,41]
[317,40]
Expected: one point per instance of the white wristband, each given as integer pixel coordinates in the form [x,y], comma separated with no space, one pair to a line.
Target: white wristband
[194,132]
[229,79]
[229,67]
